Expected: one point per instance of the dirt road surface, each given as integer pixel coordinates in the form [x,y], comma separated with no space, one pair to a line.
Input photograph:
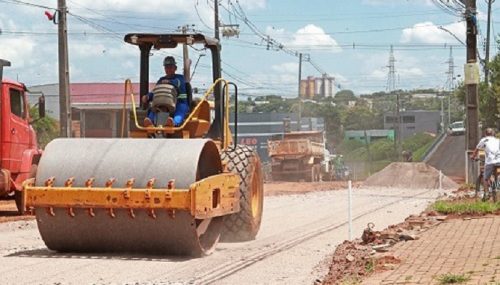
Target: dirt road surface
[298,232]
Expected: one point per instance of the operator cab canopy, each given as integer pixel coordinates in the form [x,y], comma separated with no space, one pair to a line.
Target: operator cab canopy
[159,41]
[146,42]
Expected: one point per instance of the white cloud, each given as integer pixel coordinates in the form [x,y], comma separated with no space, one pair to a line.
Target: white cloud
[314,36]
[287,67]
[412,71]
[429,33]
[163,7]
[18,51]
[253,4]
[396,2]
[378,74]
[86,50]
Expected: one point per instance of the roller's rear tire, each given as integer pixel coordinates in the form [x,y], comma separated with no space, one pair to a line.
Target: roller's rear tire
[244,225]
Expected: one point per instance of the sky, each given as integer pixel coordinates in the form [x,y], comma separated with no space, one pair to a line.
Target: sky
[347,39]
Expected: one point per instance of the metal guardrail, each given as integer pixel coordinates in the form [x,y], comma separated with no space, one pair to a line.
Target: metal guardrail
[437,142]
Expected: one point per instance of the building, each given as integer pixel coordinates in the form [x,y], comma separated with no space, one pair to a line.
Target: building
[317,86]
[96,108]
[414,122]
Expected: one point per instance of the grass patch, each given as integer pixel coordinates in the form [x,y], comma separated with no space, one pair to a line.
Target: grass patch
[466,207]
[370,266]
[452,278]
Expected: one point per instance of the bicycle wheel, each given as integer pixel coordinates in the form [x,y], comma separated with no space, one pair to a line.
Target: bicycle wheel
[494,189]
[479,187]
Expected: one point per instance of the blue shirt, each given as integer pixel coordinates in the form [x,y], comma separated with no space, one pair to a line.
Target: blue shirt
[182,107]
[178,81]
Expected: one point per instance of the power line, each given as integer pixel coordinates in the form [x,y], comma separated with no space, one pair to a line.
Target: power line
[17,2]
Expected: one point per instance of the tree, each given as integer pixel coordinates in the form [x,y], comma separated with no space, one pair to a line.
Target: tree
[493,93]
[360,117]
[344,96]
[46,128]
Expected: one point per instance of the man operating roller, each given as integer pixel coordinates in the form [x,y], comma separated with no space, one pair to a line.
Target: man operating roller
[172,89]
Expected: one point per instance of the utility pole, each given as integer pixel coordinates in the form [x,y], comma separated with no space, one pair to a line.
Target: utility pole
[323,85]
[64,92]
[487,54]
[471,81]
[185,56]
[300,99]
[471,77]
[216,19]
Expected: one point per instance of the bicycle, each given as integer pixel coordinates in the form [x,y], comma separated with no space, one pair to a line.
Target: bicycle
[494,183]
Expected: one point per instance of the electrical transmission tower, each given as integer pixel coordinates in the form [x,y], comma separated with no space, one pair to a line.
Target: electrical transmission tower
[391,86]
[450,82]
[391,77]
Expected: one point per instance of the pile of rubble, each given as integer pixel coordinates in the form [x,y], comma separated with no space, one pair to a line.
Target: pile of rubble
[356,259]
[415,175]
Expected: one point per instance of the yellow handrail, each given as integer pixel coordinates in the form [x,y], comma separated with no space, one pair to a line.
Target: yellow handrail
[128,84]
[173,129]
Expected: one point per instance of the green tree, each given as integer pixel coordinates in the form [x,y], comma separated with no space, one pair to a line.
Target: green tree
[493,93]
[46,128]
[344,96]
[360,117]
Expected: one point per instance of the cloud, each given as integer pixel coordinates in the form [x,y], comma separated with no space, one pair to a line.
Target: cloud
[429,33]
[18,51]
[287,67]
[314,36]
[253,4]
[378,74]
[163,7]
[396,2]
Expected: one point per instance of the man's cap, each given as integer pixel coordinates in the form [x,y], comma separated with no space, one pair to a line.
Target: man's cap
[169,60]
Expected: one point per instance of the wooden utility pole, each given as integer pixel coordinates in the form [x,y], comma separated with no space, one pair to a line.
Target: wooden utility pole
[64,91]
[487,53]
[471,77]
[216,19]
[300,99]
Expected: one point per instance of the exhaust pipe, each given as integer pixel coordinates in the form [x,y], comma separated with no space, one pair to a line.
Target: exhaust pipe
[3,63]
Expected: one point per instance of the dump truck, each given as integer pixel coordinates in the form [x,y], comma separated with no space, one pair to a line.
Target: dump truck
[297,156]
[19,152]
[173,190]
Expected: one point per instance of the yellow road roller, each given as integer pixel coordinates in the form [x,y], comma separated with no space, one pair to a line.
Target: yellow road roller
[160,189]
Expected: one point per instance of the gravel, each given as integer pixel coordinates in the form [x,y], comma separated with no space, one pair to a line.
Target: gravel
[298,232]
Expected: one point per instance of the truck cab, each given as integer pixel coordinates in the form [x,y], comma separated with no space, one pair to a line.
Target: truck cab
[19,152]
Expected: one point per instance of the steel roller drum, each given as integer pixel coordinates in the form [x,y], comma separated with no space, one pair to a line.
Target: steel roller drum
[186,161]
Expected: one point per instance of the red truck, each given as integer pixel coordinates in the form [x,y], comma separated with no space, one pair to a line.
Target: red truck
[19,152]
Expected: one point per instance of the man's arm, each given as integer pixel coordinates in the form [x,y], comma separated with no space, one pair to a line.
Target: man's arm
[474,153]
[479,146]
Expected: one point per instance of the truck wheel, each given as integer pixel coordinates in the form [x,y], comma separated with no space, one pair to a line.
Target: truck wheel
[319,176]
[245,224]
[19,195]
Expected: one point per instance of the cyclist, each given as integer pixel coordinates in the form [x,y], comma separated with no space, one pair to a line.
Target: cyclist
[491,146]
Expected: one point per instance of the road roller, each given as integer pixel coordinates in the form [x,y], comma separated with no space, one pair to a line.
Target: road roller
[160,189]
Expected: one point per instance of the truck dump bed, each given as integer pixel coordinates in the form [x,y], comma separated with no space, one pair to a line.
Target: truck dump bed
[297,155]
